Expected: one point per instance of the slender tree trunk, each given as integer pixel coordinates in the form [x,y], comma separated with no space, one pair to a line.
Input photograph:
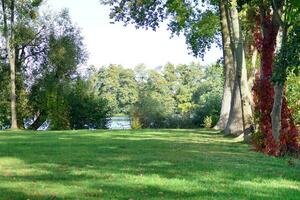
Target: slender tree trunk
[279,86]
[276,111]
[40,119]
[9,35]
[240,116]
[12,57]
[251,78]
[229,70]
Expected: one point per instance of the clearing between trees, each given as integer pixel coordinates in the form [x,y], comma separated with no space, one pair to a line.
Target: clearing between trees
[140,164]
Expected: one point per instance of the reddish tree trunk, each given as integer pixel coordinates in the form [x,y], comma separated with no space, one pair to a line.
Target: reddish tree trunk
[264,97]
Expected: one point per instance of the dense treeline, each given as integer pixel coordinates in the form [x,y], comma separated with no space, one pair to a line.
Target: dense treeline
[172,97]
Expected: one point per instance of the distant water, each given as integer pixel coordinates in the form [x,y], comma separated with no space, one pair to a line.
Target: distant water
[122,122]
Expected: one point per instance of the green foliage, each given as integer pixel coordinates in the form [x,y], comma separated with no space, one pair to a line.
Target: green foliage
[118,87]
[208,96]
[208,122]
[86,109]
[4,97]
[64,54]
[136,122]
[293,96]
[197,20]
[155,103]
[258,138]
[178,96]
[288,58]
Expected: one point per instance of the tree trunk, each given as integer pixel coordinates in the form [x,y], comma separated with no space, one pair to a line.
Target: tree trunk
[251,78]
[12,64]
[240,116]
[229,70]
[40,119]
[276,111]
[279,86]
[9,35]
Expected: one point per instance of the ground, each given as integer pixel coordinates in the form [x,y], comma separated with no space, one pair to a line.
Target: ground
[144,164]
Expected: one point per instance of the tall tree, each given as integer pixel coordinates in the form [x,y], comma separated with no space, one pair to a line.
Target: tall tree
[65,52]
[240,116]
[287,16]
[13,14]
[229,67]
[118,87]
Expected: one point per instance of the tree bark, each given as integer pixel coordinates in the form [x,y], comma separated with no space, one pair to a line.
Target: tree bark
[251,78]
[229,69]
[240,116]
[14,124]
[276,111]
[40,119]
[278,86]
[9,35]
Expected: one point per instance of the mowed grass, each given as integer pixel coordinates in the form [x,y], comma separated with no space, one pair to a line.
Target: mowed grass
[144,164]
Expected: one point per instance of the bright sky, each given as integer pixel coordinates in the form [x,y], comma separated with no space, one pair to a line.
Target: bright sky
[115,44]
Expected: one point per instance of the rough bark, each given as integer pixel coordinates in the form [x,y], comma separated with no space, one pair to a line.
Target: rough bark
[229,70]
[240,116]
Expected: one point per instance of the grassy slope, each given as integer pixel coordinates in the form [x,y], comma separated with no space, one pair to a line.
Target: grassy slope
[148,164]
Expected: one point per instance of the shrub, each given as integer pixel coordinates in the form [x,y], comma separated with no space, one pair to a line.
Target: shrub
[136,122]
[207,122]
[293,94]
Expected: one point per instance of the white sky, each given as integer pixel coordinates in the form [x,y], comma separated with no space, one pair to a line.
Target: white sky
[115,44]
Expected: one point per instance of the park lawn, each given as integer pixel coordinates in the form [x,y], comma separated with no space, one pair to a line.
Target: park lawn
[142,164]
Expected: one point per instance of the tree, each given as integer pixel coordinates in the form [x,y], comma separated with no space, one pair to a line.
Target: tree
[86,109]
[240,116]
[65,52]
[15,14]
[155,101]
[118,87]
[208,95]
[287,17]
[229,68]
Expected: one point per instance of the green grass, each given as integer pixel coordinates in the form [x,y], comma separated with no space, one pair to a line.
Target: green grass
[145,164]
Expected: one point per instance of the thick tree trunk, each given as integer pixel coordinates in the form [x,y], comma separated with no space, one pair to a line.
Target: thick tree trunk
[229,70]
[240,116]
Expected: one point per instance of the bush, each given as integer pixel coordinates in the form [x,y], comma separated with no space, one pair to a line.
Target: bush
[293,96]
[136,122]
[207,122]
[87,111]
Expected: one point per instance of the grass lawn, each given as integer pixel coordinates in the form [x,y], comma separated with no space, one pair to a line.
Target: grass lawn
[145,164]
